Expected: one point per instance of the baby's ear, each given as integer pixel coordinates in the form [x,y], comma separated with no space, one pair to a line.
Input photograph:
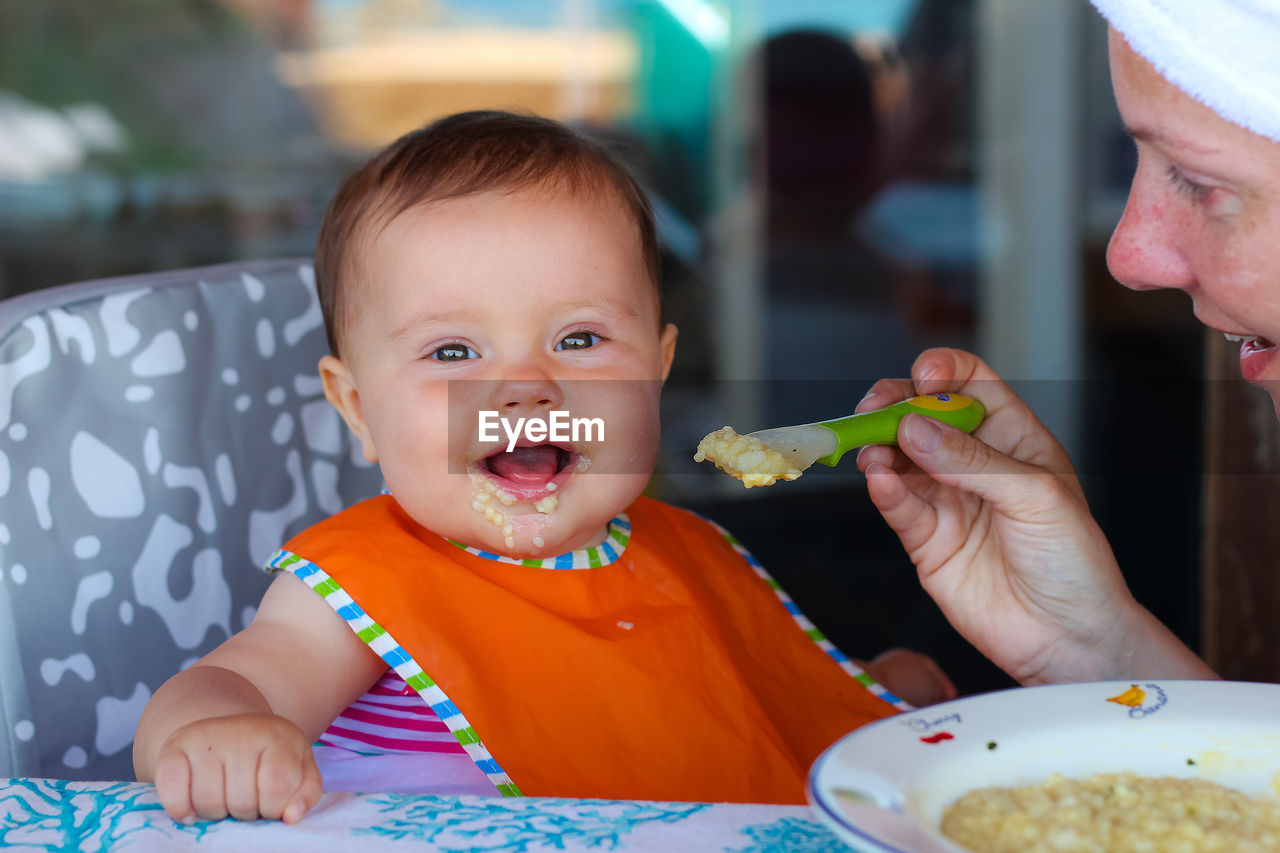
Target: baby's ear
[341,391]
[669,335]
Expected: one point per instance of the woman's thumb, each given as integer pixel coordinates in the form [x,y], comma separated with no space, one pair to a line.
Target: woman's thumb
[967,463]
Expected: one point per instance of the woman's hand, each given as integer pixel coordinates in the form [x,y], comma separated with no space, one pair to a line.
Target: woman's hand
[999,530]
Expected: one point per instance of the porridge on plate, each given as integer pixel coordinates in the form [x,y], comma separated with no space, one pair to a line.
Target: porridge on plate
[1114,813]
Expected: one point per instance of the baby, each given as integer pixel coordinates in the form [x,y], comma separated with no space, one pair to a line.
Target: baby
[512,604]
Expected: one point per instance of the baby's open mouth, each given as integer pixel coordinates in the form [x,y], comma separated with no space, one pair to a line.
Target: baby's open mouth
[531,470]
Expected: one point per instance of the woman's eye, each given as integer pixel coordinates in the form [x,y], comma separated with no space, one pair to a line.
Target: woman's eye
[453,352]
[578,340]
[1197,192]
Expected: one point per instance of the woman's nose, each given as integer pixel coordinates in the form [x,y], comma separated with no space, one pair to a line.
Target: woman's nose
[1145,251]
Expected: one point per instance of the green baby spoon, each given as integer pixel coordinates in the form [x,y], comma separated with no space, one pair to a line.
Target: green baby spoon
[827,441]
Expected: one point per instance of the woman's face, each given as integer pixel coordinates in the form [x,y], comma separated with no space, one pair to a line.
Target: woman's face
[1203,214]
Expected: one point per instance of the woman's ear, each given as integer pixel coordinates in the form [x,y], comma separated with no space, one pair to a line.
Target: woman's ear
[340,390]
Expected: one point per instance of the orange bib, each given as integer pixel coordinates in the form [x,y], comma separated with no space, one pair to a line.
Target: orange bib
[667,670]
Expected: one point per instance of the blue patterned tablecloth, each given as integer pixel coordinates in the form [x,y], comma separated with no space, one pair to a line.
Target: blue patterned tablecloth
[47,815]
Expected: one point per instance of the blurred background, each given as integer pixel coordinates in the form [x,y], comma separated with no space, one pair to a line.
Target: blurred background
[840,183]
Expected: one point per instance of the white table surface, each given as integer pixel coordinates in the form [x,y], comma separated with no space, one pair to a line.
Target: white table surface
[47,815]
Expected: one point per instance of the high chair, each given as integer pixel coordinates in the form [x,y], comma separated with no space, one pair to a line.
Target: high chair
[160,436]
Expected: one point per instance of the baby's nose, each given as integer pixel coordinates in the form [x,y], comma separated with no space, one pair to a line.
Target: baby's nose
[530,393]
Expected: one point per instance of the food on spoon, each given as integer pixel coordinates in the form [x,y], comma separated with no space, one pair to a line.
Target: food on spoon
[750,460]
[762,458]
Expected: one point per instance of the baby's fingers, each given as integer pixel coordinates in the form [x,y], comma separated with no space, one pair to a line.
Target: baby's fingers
[173,787]
[208,784]
[242,789]
[307,795]
[288,785]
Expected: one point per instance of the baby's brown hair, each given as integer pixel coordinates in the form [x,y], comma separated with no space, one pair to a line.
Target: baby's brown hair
[456,156]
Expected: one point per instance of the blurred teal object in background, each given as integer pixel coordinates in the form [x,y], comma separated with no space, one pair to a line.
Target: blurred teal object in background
[684,48]
[682,44]
[879,17]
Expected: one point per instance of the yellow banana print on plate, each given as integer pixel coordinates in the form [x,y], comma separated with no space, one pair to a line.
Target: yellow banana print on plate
[1133,697]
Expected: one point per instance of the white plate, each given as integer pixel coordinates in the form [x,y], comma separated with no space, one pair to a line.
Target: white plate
[884,787]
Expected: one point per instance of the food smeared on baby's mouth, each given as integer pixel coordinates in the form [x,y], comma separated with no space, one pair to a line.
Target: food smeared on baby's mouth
[528,467]
[485,493]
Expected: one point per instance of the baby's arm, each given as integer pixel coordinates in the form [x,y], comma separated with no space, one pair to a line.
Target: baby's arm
[911,675]
[232,734]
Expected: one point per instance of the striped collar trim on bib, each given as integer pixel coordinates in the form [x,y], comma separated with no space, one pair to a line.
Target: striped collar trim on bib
[590,558]
[398,658]
[815,634]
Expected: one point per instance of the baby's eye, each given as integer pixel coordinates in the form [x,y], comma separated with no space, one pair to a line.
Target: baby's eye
[453,352]
[578,340]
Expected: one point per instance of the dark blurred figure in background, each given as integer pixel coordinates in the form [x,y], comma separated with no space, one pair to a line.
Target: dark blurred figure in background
[833,318]
[822,152]
[839,307]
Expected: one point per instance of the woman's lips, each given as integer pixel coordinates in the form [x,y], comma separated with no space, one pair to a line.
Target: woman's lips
[1256,355]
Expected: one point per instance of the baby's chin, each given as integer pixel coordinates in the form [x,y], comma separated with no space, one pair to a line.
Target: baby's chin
[534,536]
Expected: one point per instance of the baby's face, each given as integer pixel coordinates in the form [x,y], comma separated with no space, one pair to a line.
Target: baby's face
[515,304]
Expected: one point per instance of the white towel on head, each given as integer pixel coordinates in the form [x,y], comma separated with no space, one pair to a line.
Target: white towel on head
[1223,53]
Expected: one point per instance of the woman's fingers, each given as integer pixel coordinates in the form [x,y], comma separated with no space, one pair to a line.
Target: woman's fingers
[953,458]
[1009,426]
[878,454]
[907,513]
[920,501]
[938,370]
[883,393]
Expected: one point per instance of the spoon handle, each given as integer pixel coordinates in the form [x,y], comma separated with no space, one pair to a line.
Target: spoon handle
[881,426]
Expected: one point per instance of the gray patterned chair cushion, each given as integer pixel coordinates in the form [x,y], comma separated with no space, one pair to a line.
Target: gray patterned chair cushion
[160,436]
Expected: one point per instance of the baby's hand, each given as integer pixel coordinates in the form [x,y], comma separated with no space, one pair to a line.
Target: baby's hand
[244,765]
[911,675]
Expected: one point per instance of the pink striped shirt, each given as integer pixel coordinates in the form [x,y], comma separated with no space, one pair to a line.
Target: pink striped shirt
[390,718]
